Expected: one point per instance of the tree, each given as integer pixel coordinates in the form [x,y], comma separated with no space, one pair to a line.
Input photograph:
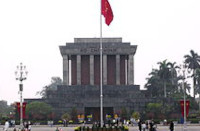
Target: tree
[153,84]
[55,81]
[66,116]
[38,110]
[164,73]
[136,115]
[173,78]
[198,80]
[198,84]
[186,85]
[154,108]
[192,62]
[5,109]
[74,114]
[173,67]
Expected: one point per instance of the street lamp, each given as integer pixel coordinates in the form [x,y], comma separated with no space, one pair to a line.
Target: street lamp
[183,67]
[21,75]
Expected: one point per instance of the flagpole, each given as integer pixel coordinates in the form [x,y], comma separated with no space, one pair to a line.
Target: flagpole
[101,68]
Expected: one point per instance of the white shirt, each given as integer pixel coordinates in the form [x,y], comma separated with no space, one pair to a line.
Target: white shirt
[6,126]
[143,126]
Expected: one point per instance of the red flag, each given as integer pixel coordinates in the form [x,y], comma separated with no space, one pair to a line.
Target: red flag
[187,107]
[23,109]
[18,107]
[106,11]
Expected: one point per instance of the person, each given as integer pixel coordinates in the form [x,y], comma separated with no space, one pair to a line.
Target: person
[154,127]
[140,126]
[151,126]
[64,122]
[171,126]
[29,126]
[109,122]
[26,125]
[147,125]
[143,126]
[6,126]
[117,122]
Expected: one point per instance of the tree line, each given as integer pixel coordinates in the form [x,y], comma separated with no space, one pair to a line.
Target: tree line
[167,79]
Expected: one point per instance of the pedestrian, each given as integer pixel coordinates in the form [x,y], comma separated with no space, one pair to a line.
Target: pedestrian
[143,126]
[171,126]
[26,126]
[140,126]
[29,126]
[151,126]
[154,127]
[117,122]
[6,126]
[147,125]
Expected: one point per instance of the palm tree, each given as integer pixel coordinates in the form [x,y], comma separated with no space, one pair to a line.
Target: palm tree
[153,84]
[192,62]
[164,73]
[186,85]
[198,80]
[173,72]
[198,84]
[173,79]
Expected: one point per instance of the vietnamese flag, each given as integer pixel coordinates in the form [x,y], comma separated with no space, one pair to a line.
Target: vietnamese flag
[23,109]
[18,107]
[106,11]
[187,107]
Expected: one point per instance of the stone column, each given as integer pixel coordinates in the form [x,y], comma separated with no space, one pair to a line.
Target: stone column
[78,70]
[91,69]
[104,69]
[70,71]
[133,70]
[130,70]
[117,69]
[126,71]
[65,70]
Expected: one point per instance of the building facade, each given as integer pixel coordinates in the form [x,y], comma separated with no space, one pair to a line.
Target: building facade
[81,62]
[81,78]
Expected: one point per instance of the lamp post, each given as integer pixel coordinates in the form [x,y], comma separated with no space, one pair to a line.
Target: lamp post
[21,75]
[183,67]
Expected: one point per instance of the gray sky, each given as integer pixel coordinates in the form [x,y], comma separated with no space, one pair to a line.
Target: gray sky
[32,30]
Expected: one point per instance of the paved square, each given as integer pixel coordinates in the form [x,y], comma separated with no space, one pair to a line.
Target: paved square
[135,128]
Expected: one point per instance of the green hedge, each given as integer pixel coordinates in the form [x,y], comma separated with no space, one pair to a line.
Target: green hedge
[193,120]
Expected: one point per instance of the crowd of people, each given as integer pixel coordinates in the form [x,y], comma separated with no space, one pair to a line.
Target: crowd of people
[147,126]
[151,126]
[26,126]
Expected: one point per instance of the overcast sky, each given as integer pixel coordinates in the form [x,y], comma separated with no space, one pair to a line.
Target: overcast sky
[31,32]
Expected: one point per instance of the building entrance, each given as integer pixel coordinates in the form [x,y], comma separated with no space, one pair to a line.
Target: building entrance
[92,114]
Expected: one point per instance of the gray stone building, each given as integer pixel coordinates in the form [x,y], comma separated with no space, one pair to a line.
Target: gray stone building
[81,78]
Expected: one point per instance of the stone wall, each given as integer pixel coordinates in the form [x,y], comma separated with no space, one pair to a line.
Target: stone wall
[80,97]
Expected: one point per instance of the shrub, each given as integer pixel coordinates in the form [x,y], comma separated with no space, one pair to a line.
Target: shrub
[77,128]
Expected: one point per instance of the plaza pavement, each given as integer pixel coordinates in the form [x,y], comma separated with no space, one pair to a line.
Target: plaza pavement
[191,127]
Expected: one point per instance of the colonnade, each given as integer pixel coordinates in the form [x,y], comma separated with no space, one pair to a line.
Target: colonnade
[129,69]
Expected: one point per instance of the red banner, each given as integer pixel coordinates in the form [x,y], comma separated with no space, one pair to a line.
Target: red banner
[187,107]
[106,11]
[23,109]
